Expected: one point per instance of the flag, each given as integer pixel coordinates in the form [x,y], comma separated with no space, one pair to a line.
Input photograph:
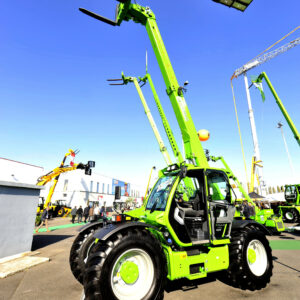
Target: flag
[258,84]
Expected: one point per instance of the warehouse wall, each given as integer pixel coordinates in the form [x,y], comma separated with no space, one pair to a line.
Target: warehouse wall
[18,204]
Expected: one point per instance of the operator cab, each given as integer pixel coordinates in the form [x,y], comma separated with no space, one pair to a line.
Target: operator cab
[200,208]
[290,193]
[202,200]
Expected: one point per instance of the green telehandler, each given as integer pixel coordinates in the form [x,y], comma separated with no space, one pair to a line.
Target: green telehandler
[291,210]
[265,217]
[168,237]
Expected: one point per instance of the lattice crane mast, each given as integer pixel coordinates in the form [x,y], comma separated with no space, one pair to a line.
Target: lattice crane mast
[265,57]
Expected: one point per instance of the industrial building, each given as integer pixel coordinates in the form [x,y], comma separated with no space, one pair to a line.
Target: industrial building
[74,187]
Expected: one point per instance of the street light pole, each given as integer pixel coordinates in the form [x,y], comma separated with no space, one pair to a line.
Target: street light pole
[280,125]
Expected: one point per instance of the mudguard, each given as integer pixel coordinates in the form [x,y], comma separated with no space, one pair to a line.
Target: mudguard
[243,223]
[109,230]
[89,225]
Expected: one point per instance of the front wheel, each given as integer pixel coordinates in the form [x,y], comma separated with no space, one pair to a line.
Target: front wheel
[129,266]
[251,261]
[61,212]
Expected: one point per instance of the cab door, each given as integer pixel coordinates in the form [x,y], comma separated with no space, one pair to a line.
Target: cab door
[188,213]
[221,209]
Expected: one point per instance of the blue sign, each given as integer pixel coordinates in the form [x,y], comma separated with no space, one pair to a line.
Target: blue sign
[125,187]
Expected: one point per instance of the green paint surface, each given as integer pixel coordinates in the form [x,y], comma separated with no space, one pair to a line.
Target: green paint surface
[129,272]
[251,256]
[61,226]
[285,245]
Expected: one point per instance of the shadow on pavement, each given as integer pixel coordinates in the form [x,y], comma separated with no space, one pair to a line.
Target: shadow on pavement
[286,237]
[287,266]
[186,285]
[43,240]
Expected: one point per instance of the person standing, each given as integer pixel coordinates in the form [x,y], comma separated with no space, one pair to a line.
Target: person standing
[79,213]
[251,209]
[73,214]
[86,213]
[44,219]
[103,215]
[97,212]
[246,209]
[91,214]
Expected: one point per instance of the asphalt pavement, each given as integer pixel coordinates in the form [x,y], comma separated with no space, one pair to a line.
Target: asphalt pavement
[54,280]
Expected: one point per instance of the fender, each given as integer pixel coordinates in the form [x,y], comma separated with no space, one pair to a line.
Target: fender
[89,225]
[243,223]
[109,230]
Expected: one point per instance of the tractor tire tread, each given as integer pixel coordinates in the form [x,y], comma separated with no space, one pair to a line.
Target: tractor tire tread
[77,264]
[238,274]
[101,252]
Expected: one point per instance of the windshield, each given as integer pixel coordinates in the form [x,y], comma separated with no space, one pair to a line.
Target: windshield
[290,192]
[160,193]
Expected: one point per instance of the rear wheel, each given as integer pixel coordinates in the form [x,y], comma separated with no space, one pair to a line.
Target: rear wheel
[251,262]
[129,266]
[80,250]
[291,216]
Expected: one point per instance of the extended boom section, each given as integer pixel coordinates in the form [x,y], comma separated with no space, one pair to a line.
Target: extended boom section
[287,117]
[143,15]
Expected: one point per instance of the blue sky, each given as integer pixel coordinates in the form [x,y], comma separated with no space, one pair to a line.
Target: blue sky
[54,62]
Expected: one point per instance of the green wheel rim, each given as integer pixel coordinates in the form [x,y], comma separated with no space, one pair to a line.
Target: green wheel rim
[132,275]
[129,272]
[251,256]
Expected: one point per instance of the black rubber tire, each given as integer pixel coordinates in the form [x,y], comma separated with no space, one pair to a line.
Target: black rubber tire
[239,274]
[61,212]
[295,214]
[79,251]
[97,284]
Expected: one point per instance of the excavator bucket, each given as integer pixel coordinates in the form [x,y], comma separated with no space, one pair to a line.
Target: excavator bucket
[237,4]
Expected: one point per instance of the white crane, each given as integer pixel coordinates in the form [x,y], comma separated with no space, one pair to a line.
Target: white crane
[258,60]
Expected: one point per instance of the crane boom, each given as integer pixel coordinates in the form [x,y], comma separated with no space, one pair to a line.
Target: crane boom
[55,173]
[164,119]
[160,142]
[265,57]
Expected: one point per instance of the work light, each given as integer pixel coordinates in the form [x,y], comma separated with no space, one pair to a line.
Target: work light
[237,4]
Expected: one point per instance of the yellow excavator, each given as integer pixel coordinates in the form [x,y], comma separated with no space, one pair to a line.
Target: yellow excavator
[59,208]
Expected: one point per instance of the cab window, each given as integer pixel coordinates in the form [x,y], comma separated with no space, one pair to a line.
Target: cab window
[218,186]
